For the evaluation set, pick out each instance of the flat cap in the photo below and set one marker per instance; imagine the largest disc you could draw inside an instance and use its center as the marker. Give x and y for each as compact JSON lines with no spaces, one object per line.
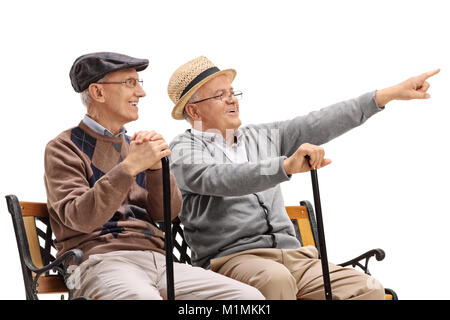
{"x":91,"y":67}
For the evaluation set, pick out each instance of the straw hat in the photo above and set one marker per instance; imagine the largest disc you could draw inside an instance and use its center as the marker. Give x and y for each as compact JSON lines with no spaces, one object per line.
{"x":188,"y":78}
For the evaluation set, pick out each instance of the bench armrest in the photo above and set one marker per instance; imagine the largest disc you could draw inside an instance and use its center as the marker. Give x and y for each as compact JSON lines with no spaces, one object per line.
{"x":356,"y":262}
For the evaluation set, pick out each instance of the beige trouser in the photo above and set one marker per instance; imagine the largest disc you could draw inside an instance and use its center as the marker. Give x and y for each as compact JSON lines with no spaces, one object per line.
{"x":142,"y":275}
{"x":295,"y":274}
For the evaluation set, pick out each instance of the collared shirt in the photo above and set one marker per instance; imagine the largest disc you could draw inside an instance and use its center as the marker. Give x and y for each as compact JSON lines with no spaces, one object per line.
{"x":236,"y":153}
{"x":97,"y":127}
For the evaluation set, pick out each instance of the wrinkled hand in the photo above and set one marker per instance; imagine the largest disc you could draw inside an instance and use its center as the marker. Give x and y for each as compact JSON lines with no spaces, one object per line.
{"x":413,"y":88}
{"x":147,"y":148}
{"x":144,"y":136}
{"x":298,"y":163}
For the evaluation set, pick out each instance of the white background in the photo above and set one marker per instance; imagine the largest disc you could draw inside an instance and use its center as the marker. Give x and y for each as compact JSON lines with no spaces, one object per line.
{"x":388,"y":184}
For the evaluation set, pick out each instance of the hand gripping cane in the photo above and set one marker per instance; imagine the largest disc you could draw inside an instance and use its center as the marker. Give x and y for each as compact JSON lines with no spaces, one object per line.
{"x":321,"y":232}
{"x":168,"y":229}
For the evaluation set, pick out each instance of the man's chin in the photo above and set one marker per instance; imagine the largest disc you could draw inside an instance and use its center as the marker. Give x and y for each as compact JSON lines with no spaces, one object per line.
{"x":237,"y":123}
{"x":134,"y":117}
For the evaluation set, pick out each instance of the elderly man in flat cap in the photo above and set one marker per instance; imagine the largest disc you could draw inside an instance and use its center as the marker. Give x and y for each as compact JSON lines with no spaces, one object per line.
{"x":104,"y":194}
{"x":229,"y":176}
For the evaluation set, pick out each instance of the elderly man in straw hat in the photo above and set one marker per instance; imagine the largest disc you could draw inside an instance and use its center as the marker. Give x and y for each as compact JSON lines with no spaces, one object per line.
{"x":104,"y":192}
{"x":233,"y":212}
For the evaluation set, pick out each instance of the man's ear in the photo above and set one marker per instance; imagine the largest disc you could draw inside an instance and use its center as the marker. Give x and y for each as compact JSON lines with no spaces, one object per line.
{"x":192,"y":111}
{"x":97,"y":93}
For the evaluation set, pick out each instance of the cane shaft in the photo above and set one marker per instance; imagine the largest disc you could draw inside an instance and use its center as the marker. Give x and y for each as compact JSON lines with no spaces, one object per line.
{"x":321,"y":234}
{"x":168,"y":229}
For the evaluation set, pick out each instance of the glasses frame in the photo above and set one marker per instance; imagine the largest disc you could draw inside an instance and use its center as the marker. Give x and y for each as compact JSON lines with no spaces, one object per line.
{"x":237,"y":94}
{"x":141,"y":82}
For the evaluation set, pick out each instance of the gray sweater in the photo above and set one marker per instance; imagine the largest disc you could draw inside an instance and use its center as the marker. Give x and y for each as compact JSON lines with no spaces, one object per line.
{"x":229,"y":207}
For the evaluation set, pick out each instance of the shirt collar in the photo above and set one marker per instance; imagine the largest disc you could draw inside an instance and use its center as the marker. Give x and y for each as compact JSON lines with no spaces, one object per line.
{"x":97,"y":127}
{"x":215,"y":136}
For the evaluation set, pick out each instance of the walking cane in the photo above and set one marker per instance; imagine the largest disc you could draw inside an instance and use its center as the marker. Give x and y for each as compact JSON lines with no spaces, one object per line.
{"x":321,"y":232}
{"x":168,"y":229}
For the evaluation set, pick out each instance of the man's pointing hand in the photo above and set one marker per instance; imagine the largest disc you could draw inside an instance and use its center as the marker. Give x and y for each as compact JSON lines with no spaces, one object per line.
{"x":413,"y":88}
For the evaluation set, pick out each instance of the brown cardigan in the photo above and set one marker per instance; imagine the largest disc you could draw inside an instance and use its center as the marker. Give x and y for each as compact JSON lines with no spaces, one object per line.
{"x":95,"y":205}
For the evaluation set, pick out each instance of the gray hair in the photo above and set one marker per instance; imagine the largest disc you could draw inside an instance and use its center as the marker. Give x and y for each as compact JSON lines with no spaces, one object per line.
{"x":85,"y":96}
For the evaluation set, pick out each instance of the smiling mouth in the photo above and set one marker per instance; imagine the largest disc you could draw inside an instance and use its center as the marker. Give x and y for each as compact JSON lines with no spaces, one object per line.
{"x":232,"y":111}
{"x":133,"y":103}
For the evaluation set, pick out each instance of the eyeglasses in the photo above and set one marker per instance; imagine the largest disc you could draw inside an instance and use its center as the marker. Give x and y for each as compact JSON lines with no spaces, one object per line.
{"x":223,"y":96}
{"x":130,"y":83}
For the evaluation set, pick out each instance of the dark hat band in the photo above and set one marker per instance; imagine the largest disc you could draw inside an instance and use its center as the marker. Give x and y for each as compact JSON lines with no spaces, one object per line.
{"x":199,"y":78}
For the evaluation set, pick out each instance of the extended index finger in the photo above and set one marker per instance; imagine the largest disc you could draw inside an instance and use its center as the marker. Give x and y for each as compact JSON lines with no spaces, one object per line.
{"x":428,"y":74}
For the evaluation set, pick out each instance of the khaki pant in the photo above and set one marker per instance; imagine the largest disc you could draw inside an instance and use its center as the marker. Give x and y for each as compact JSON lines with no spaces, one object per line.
{"x":141,"y":275}
{"x":295,"y":274}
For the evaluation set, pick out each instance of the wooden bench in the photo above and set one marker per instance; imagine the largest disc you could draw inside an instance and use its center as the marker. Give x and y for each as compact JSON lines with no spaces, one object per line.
{"x":35,"y":243}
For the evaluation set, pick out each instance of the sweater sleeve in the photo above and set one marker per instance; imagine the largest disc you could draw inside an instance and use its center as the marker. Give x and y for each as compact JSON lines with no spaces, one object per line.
{"x":198,"y":172}
{"x":79,"y":206}
{"x":319,"y":127}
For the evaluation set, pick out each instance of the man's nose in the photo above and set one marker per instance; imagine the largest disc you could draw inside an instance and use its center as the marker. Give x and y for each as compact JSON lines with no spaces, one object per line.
{"x":140,"y":91}
{"x":230,"y":98}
